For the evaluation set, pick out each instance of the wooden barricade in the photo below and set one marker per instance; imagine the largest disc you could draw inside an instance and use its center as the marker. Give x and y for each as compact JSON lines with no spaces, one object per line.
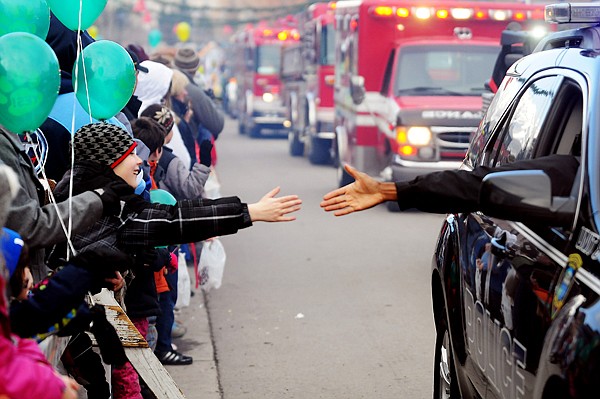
{"x":150,"y":369}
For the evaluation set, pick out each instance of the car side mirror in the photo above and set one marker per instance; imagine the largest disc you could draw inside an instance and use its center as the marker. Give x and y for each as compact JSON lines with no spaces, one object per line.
{"x":357,"y":89}
{"x":525,"y":196}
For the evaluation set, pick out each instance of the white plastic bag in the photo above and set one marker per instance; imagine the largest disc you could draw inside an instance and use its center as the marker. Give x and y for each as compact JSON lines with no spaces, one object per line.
{"x":212,"y":187}
{"x":212,"y":264}
{"x":184,"y":287}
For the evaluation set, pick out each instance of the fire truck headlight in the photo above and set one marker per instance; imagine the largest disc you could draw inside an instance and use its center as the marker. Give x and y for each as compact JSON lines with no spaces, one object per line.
{"x":499,"y":15}
{"x":418,"y":135}
{"x":423,"y":12}
{"x":538,"y":32}
{"x":268,"y":97}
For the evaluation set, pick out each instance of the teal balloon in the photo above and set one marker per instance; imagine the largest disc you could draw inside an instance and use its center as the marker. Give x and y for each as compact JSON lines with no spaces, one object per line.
{"x":154,"y":37}
{"x":29,"y":81}
{"x":67,"y":12}
{"x":159,"y":196}
{"x":31,"y":16}
{"x":110,"y":75}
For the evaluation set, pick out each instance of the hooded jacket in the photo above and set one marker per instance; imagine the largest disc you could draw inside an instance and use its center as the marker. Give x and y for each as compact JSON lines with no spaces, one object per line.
{"x":151,"y":88}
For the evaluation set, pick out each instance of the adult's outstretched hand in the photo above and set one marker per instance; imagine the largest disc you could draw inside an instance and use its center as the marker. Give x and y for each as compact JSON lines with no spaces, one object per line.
{"x":273,"y":209}
{"x":364,"y":193}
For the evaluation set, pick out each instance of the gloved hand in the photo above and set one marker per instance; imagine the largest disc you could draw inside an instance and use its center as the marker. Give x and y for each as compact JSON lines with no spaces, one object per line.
{"x":173,"y":264}
{"x":111,"y":195}
{"x":110,"y":346}
{"x":103,"y":262}
{"x":205,"y":152}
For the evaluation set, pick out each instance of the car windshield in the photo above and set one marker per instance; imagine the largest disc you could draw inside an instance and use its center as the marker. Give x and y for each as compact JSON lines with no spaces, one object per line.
{"x":268,"y":58}
{"x":444,"y":70}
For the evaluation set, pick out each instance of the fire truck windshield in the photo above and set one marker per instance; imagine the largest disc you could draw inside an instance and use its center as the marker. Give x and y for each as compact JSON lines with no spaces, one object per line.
{"x":451,"y":70}
{"x":268,"y":59}
{"x":327,"y":46}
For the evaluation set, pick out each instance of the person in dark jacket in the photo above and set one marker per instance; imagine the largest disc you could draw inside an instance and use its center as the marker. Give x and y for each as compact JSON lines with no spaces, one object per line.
{"x":206,"y":114}
{"x":450,"y":191}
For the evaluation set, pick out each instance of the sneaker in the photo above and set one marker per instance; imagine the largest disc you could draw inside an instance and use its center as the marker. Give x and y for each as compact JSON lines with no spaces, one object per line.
{"x":178,"y":330}
{"x":173,"y":358}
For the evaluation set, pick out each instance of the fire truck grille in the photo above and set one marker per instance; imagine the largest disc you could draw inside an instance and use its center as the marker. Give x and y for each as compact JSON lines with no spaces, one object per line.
{"x":453,"y":145}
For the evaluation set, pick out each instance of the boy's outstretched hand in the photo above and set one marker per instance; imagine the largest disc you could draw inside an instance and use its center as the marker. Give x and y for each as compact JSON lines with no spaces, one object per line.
{"x":273,"y":209}
{"x":364,"y":193}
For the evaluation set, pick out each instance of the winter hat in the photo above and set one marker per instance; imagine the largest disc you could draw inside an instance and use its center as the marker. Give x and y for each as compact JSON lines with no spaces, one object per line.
{"x":161,"y":114}
{"x":136,"y":61}
{"x":153,"y":86}
{"x":11,"y":245}
{"x":139,"y":51}
{"x":187,"y":58}
{"x":102,"y":143}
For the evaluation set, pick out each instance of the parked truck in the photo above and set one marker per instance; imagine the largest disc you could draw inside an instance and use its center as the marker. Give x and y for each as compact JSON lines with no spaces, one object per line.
{"x":256,"y":66}
{"x":307,"y":73}
{"x":409,"y":78}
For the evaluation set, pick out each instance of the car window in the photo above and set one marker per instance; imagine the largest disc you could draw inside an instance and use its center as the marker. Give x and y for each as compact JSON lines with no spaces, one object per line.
{"x":500,"y":103}
{"x":546,"y":119}
{"x":521,"y":132}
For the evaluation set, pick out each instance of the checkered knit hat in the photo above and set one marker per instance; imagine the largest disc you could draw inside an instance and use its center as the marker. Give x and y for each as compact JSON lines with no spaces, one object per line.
{"x":103,"y":143}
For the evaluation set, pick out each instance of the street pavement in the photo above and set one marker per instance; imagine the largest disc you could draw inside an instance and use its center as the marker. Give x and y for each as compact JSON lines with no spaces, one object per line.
{"x":200,"y":379}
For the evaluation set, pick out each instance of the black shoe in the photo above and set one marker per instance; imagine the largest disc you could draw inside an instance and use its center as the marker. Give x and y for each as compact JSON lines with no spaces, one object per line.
{"x":173,"y":358}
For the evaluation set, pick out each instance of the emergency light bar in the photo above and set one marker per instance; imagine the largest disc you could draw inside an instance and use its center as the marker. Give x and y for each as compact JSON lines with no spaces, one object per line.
{"x":457,"y":13}
{"x":573,"y":12}
{"x":282,"y":35}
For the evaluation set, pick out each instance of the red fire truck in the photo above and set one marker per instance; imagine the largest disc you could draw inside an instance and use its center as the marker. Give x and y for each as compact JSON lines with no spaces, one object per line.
{"x":257,"y":53}
{"x":409,"y":77}
{"x":307,"y":73}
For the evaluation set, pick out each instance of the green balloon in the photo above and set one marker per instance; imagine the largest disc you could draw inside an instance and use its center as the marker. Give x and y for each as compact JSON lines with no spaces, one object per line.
{"x":67,"y":12}
{"x":159,"y":196}
{"x":154,"y":37}
{"x":31,"y":16}
{"x":110,"y":75}
{"x":29,"y":81}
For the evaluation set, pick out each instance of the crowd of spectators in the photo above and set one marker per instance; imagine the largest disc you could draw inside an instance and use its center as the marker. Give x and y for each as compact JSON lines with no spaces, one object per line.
{"x":78,"y":218}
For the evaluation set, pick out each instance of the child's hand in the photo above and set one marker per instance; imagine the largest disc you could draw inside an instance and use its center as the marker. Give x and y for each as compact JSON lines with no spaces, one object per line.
{"x":71,"y":388}
{"x":272,"y":209}
{"x":115,"y":283}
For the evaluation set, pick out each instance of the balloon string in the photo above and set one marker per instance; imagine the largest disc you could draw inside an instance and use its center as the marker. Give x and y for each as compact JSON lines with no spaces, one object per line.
{"x":71,"y":139}
{"x":51,"y":195}
{"x":75,"y":88}
{"x":80,"y":45}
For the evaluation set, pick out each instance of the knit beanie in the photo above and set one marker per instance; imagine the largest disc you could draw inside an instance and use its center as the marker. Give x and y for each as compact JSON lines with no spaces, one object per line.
{"x":102,"y":143}
{"x":187,"y":58}
{"x":161,"y":114}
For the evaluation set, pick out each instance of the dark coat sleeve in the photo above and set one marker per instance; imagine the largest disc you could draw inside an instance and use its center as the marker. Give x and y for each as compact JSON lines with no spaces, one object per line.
{"x":205,"y":110}
{"x":456,"y":191}
{"x":187,"y":221}
{"x":50,"y":302}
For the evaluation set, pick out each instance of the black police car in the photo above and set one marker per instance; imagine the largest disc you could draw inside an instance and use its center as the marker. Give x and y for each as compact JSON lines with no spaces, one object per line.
{"x":516,"y":303}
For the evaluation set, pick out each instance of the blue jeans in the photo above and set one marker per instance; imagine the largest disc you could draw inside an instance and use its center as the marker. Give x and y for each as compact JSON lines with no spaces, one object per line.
{"x":164,"y":322}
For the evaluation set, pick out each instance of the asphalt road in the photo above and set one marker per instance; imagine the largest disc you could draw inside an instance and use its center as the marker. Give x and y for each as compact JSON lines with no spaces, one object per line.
{"x":322,"y":307}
